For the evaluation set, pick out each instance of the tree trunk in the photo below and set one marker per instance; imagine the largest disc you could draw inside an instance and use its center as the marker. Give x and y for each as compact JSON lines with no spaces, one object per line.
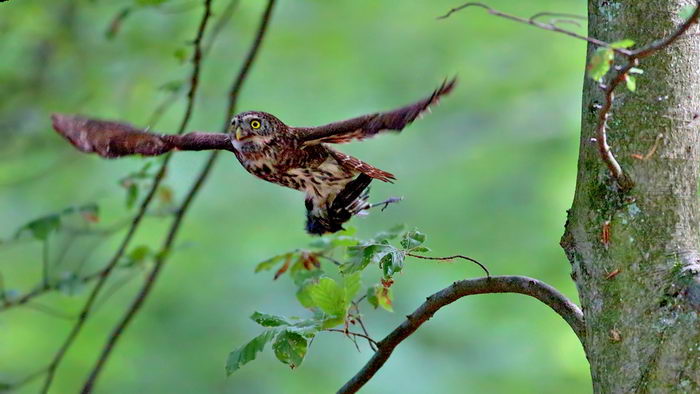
{"x":642,"y":326}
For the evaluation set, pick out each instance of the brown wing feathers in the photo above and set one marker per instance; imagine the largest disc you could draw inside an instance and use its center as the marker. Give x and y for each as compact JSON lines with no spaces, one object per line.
{"x":368,"y":125}
{"x":114,"y":139}
{"x":353,"y":163}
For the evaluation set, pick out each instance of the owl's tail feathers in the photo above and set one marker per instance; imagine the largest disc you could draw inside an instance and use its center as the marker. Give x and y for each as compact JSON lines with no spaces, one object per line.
{"x":349,"y":202}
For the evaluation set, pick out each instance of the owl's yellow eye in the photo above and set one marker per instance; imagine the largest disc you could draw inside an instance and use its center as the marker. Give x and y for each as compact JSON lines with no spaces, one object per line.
{"x":255,"y":124}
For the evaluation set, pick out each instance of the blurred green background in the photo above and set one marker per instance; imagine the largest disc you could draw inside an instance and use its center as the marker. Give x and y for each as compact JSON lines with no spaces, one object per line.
{"x":490,"y":173}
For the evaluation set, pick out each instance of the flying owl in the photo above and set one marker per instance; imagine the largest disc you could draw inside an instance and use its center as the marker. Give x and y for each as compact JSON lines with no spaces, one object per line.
{"x":335,"y":184}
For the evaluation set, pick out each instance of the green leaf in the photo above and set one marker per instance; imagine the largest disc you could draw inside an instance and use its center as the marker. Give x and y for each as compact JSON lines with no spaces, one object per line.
{"x":180,"y":54}
{"x":349,"y":231}
{"x":328,"y":296}
{"x":248,"y":352}
{"x":290,"y":348}
{"x":132,"y":195}
{"x":626,"y":43}
{"x":139,"y":253}
{"x":267,"y":320}
{"x":631,"y":82}
{"x":344,"y":241}
{"x":41,"y":228}
{"x":351,"y":284}
{"x":392,"y":263}
{"x":687,"y":11}
{"x":600,"y":63}
{"x":304,"y":295}
{"x":172,"y":86}
{"x":420,"y":249}
{"x":362,"y":255}
{"x":372,"y":296}
{"x":412,"y":239}
{"x":270,"y":263}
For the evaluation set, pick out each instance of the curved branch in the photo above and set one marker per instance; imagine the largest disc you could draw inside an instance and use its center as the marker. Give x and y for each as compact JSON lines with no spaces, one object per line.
{"x":496,"y":284}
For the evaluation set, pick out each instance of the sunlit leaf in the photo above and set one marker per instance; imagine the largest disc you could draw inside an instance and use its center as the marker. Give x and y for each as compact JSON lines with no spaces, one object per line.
{"x":631,"y":82}
{"x":248,"y":352}
{"x":290,"y":348}
{"x":328,"y":296}
{"x":622,"y":44}
{"x":600,"y":64}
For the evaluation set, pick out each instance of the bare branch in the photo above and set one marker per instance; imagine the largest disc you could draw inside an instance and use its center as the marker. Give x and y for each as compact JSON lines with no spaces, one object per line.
{"x":87,"y":308}
{"x":497,"y":284}
{"x":449,"y":258}
{"x":544,"y":26}
{"x":150,"y":281}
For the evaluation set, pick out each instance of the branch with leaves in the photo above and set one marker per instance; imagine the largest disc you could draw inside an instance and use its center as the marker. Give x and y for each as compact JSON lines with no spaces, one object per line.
{"x":602,"y":62}
{"x":333,"y":292}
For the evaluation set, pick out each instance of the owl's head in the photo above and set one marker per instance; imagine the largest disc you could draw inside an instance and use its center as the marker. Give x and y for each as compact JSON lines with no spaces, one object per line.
{"x":251,"y":124}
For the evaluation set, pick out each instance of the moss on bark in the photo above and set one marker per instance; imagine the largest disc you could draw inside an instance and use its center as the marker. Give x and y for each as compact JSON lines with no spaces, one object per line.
{"x":642,"y":327}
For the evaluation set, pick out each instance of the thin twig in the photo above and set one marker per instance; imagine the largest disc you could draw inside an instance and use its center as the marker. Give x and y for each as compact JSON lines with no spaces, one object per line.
{"x":358,"y":318}
{"x":497,"y":284}
{"x":533,"y":22}
{"x":87,"y":308}
{"x":448,"y":258}
{"x":354,"y":334}
{"x":145,"y":290}
{"x":632,"y":56}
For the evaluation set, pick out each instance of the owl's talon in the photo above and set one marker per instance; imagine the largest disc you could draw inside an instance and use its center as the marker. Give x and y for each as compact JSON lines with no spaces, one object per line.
{"x":385,"y":203}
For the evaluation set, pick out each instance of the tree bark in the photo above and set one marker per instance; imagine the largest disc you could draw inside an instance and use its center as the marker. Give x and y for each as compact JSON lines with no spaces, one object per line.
{"x":642,"y":326}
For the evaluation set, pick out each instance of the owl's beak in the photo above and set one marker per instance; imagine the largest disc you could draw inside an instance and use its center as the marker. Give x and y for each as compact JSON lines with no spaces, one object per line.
{"x":235,"y":126}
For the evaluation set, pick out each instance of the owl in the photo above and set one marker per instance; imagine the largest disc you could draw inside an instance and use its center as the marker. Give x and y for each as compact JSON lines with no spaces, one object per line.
{"x":335,"y":184}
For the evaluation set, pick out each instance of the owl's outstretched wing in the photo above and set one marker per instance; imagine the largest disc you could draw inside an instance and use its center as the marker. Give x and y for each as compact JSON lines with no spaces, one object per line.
{"x":114,"y":139}
{"x":368,"y":125}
